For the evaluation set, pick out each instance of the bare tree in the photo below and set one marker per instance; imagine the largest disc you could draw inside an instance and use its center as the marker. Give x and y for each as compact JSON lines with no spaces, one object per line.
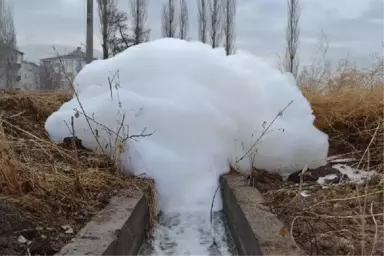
{"x":105,"y":8}
{"x":139,"y":20}
{"x":49,"y":78}
{"x":318,"y":73}
{"x":229,"y":12}
{"x":202,"y":20}
{"x":8,"y":47}
{"x":120,"y":39}
{"x":168,"y":22}
{"x":113,"y":25}
{"x":7,"y":27}
{"x":183,"y":20}
{"x":292,"y":36}
{"x":216,"y":22}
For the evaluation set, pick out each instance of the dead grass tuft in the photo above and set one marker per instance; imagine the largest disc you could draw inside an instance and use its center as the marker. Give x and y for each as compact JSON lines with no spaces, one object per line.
{"x":50,"y":185}
{"x":350,"y":118}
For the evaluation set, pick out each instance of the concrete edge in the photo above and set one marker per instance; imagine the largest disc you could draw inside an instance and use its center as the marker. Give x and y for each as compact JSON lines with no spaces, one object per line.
{"x":241,"y":231}
{"x":119,"y":229}
{"x":255,"y":230}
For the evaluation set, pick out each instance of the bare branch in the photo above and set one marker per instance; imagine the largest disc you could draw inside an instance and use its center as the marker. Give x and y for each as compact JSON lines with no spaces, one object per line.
{"x":229,"y":13}
{"x":216,"y":22}
{"x":105,"y":10}
{"x":120,"y":40}
{"x":319,"y":72}
{"x":113,"y":24}
{"x":183,"y":20}
{"x":264,"y":132}
{"x":168,"y":21}
{"x":139,"y":20}
{"x":202,"y":20}
{"x":94,"y":133}
{"x":8,"y":54}
{"x":292,"y":37}
{"x":7,"y":27}
{"x":119,"y":139}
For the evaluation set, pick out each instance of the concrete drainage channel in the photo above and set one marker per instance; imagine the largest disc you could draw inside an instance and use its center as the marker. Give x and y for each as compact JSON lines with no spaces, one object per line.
{"x":190,"y":233}
{"x":121,"y":227}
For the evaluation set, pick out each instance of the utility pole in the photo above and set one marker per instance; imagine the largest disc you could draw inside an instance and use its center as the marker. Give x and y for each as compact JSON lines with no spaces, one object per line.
{"x":89,"y":50}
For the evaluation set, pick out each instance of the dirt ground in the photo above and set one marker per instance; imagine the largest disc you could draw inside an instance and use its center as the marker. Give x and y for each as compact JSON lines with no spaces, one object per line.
{"x":48,"y":191}
{"x":339,"y":219}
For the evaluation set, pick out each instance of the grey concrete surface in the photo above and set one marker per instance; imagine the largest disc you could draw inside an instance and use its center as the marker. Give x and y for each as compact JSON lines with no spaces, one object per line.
{"x":119,"y":229}
{"x":254,"y":228}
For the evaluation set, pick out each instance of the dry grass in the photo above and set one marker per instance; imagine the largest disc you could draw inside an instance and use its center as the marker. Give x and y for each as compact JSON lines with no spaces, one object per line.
{"x":350,"y":118}
{"x":341,"y":219}
{"x":50,"y":185}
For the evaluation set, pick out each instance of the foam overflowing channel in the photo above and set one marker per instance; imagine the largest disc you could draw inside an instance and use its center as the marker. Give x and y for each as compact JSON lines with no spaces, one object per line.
{"x":190,"y":234}
{"x":192,"y":112}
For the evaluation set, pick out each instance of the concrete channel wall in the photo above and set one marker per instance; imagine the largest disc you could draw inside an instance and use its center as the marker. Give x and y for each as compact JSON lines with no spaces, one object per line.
{"x":254,"y":228}
{"x":119,"y":229}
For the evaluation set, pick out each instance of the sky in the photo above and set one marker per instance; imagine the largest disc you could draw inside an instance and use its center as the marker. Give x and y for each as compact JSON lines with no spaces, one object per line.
{"x":354,"y":28}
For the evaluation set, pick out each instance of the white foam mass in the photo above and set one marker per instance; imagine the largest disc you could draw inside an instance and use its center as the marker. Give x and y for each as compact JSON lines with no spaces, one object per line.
{"x":206,"y":110}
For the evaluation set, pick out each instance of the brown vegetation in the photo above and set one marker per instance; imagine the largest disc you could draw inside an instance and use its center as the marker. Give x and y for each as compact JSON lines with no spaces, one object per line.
{"x":350,"y":117}
{"x":45,"y":186}
{"x":343,"y":218}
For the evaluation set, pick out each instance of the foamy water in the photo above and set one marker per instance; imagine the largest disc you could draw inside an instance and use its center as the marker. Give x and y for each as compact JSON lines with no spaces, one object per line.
{"x":190,"y":234}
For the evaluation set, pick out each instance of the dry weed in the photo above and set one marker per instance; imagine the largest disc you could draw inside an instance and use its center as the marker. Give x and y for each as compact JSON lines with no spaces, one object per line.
{"x":52,"y":185}
{"x":350,"y":118}
{"x":341,"y":219}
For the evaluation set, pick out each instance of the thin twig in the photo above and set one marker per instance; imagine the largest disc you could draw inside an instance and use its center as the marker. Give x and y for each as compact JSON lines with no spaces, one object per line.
{"x":213,"y":199}
{"x":369,"y":145}
{"x":87,"y":118}
{"x":78,"y":100}
{"x":339,"y":199}
{"x":376,"y":230}
{"x":143,"y":134}
{"x":211,"y":211}
{"x":264,"y":132}
{"x":362,"y":208}
{"x":291,"y":232}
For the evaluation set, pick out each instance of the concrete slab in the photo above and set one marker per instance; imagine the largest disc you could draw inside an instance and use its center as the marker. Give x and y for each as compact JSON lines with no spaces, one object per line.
{"x":119,"y":229}
{"x":254,"y":228}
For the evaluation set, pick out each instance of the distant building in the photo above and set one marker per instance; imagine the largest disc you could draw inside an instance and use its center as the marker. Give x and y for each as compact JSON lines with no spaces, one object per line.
{"x":29,"y":76}
{"x":59,"y":71}
{"x":10,"y":65}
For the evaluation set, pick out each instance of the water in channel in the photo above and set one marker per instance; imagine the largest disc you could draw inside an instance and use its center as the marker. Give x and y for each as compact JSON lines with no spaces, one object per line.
{"x":190,"y":234}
